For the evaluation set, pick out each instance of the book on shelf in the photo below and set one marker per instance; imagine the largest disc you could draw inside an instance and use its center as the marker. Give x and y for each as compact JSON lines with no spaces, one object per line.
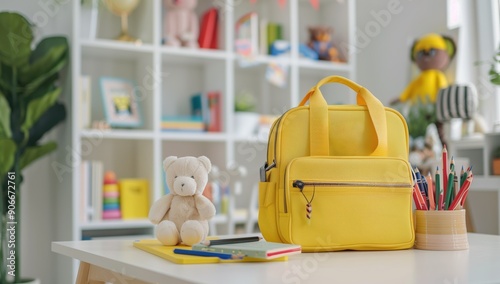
{"x":209,"y":29}
{"x":247,"y":35}
{"x":199,"y":107}
{"x":274,"y":33}
{"x":208,"y":107}
{"x":215,"y":107}
{"x":260,"y":249}
{"x":134,"y":198}
{"x":182,"y":123}
{"x":85,"y":93}
{"x":91,"y":184}
{"x":263,"y":44}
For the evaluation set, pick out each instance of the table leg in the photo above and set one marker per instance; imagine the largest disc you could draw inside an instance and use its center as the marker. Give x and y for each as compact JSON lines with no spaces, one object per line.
{"x":92,"y":274}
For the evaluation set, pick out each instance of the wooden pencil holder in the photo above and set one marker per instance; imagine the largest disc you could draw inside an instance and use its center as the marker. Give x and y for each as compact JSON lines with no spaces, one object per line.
{"x":441,"y":230}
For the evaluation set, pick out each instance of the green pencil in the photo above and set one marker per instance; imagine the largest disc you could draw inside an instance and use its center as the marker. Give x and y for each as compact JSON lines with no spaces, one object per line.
{"x":438,"y":188}
{"x":448,"y":191}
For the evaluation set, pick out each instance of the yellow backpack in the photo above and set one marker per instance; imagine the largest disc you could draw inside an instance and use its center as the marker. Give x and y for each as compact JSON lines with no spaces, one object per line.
{"x":337,"y":177}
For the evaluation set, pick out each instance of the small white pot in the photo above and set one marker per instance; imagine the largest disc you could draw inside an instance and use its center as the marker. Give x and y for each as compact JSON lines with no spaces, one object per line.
{"x":245,"y":123}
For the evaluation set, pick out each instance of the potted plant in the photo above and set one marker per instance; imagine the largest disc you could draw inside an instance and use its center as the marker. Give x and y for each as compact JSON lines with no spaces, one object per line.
{"x":29,"y":90}
{"x":493,"y":73}
{"x":496,"y":161}
{"x":246,"y":119}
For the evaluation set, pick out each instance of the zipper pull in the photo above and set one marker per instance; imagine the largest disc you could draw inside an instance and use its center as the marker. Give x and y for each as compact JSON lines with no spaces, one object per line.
{"x":300,"y":184}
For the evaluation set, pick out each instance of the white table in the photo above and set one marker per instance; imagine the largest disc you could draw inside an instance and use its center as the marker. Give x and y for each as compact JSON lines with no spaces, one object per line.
{"x":479,"y":264}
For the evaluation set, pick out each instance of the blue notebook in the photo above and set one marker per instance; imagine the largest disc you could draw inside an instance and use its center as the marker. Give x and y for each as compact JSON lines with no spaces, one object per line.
{"x":262,"y":249}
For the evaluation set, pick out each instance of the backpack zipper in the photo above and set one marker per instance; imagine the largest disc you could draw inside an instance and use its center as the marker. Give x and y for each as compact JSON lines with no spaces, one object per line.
{"x":301,"y":184}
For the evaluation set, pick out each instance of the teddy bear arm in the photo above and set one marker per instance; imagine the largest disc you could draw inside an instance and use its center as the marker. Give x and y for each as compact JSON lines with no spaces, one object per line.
{"x":205,"y":207}
{"x":160,"y":208}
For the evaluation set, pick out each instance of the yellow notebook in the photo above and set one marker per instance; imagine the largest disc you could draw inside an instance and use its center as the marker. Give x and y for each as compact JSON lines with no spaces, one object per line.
{"x":167,"y":252}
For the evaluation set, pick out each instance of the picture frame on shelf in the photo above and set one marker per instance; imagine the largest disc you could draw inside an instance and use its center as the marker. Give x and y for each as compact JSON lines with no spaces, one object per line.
{"x":121,"y":108}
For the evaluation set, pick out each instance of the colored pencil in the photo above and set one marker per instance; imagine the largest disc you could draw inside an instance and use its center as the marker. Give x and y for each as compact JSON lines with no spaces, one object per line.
{"x":462,"y":193}
{"x":449,"y":190}
{"x":438,"y":190}
{"x":431,"y":192}
{"x":445,"y":170}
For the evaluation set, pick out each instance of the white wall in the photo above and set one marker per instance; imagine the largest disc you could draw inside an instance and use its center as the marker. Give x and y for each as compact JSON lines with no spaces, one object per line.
{"x":41,"y":189}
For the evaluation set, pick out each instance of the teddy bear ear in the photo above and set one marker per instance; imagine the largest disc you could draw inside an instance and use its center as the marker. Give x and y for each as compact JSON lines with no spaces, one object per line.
{"x":168,"y":161}
{"x":206,"y":163}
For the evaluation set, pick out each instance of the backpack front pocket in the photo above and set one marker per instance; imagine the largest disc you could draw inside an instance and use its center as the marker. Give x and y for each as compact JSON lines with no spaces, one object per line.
{"x":349,"y":202}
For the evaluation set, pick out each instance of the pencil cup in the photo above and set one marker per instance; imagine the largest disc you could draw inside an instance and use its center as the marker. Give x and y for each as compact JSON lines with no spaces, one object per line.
{"x":441,"y":230}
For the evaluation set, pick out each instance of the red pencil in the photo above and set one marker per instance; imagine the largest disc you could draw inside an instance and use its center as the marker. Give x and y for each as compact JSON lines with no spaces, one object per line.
{"x":420,"y":203}
{"x":462,"y":193}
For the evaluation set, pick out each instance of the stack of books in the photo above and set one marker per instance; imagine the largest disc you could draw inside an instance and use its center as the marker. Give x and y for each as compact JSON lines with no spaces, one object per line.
{"x":182,"y":123}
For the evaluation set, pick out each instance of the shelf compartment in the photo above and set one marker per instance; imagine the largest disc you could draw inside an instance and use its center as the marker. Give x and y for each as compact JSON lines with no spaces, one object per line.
{"x":184,"y":79}
{"x":334,"y":14}
{"x":107,"y":25}
{"x":270,"y":99}
{"x":200,"y":9}
{"x":127,"y":157}
{"x":133,"y":65}
{"x":267,"y":12}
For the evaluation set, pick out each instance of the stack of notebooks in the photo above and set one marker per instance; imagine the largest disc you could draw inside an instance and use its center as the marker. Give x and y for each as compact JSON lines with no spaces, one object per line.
{"x":247,"y":249}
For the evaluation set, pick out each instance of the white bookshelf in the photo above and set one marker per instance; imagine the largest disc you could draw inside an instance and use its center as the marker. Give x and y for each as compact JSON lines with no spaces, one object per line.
{"x":169,"y":76}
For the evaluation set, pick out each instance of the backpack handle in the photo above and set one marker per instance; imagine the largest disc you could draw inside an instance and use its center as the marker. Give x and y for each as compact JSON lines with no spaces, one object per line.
{"x":318,"y":116}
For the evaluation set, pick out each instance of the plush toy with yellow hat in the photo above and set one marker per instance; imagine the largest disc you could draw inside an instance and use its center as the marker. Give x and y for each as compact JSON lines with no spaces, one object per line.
{"x":432,"y":53}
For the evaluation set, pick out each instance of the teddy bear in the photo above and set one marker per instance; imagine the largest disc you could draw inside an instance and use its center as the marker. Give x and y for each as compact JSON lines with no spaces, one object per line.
{"x":182,"y":215}
{"x":320,"y":41}
{"x":180,"y":23}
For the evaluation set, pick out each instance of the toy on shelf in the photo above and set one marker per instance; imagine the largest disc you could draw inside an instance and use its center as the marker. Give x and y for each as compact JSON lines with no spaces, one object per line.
{"x":180,"y":24}
{"x":432,"y":53}
{"x":182,"y":215}
{"x":111,"y":197}
{"x":320,"y":42}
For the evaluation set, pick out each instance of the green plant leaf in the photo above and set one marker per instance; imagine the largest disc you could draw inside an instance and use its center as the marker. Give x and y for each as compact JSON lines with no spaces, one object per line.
{"x":37,"y":107}
{"x":33,"y":153}
{"x":4,"y":117}
{"x":50,"y":57}
{"x":6,"y":155}
{"x":15,"y":39}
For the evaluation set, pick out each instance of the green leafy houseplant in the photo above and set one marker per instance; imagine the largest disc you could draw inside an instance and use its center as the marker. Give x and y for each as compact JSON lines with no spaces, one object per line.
{"x":494,"y":73}
{"x":420,"y":115}
{"x":29,"y":108}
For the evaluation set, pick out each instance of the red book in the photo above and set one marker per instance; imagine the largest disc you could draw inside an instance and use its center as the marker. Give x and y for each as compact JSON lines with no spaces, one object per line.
{"x":214,"y":105}
{"x":208,"y":37}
